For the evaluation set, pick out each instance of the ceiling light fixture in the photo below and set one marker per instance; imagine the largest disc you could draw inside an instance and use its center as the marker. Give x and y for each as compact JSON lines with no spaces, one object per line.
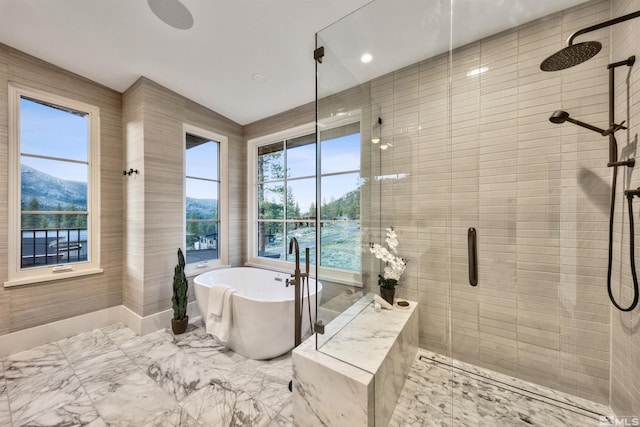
{"x":366,"y":58}
{"x":172,"y":13}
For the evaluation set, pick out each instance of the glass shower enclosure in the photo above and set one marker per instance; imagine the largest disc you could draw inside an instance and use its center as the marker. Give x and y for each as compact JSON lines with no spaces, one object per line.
{"x":455,"y":140}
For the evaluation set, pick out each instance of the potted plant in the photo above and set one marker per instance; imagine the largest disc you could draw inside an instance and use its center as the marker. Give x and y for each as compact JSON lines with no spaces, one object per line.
{"x":180,"y":286}
{"x":394,"y":265}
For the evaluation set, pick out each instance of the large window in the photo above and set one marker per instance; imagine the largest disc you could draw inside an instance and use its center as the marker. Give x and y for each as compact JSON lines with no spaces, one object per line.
{"x":205,"y":237}
{"x":54,"y":187}
{"x":340,"y":198}
{"x":284,"y":198}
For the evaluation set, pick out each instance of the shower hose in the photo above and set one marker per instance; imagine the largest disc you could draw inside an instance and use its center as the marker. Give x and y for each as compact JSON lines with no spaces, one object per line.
{"x":631,"y":245}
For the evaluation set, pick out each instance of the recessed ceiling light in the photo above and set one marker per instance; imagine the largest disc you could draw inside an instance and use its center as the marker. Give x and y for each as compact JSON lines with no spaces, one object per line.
{"x":172,"y":13}
{"x":366,"y":58}
{"x":375,"y":140}
{"x":258,"y":77}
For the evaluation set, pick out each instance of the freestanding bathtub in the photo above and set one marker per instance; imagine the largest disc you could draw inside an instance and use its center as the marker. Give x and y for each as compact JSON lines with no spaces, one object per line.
{"x":263,"y":309}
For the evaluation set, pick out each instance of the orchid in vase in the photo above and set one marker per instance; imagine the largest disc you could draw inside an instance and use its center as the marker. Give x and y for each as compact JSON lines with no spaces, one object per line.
{"x":394,"y":264}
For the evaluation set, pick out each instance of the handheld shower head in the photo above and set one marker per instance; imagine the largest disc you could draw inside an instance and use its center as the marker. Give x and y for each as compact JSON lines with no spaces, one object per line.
{"x":560,"y":116}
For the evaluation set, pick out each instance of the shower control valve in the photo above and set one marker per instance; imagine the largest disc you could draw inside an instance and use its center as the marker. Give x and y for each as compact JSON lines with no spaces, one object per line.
{"x":631,"y":193}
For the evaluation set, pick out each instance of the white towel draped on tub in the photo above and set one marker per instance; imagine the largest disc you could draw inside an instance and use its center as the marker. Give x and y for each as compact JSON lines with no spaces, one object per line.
{"x":220,"y":312}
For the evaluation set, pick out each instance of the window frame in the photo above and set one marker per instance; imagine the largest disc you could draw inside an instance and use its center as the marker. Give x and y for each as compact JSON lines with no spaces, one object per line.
{"x":24,"y":276}
{"x":335,"y":275}
{"x":194,"y":269}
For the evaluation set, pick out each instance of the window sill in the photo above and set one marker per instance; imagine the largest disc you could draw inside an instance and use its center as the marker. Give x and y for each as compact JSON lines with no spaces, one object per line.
{"x":30,"y":280}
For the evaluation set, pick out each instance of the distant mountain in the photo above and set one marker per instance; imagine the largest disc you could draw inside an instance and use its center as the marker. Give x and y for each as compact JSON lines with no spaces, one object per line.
{"x":347,"y":206}
{"x":50,"y":192}
{"x":203,"y":208}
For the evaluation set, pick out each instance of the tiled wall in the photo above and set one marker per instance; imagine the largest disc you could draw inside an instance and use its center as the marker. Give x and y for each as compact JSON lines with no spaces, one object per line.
{"x":480,"y":152}
{"x":625,"y":327}
{"x":153,"y":119}
{"x":23,"y":307}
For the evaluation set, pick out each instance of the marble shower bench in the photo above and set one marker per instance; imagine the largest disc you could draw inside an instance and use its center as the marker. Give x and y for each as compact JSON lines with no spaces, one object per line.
{"x":356,"y":377}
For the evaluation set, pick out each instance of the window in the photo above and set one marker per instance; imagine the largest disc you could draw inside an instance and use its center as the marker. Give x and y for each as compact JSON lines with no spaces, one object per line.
{"x":54,"y":175}
{"x":205,"y":200}
{"x":286,"y":197}
{"x":340,"y":183}
{"x":283,"y":205}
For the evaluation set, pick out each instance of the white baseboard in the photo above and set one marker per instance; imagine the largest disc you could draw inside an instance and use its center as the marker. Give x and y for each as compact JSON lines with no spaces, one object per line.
{"x":146,"y":325}
{"x":51,"y":332}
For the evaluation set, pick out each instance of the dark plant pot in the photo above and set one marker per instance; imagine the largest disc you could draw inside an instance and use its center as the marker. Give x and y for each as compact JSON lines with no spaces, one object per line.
{"x":387,"y":294}
{"x":179,"y":326}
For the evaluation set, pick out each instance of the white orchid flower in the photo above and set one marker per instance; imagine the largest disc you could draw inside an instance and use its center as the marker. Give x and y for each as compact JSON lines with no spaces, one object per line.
{"x":395,"y":265}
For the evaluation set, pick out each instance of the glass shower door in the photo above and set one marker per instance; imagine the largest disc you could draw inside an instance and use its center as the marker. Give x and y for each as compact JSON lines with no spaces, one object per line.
{"x":348,"y":192}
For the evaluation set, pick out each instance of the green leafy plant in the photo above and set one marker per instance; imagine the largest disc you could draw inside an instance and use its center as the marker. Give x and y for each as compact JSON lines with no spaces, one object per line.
{"x":180,"y":287}
{"x":387,"y":283}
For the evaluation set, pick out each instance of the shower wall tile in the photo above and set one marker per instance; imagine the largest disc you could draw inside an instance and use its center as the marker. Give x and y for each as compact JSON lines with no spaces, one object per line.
{"x":625,"y":342}
{"x":485,"y":156}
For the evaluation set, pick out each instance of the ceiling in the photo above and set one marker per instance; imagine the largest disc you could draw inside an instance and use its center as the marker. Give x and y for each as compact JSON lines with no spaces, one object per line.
{"x":245,"y":59}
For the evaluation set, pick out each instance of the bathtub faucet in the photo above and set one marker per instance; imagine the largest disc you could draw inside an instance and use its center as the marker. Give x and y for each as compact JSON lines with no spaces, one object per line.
{"x":296,"y":282}
{"x":293,"y":242}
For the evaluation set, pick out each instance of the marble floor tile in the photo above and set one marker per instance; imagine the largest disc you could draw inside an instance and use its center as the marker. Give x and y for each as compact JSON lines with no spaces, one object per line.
{"x":5,"y":415}
{"x":32,"y":363}
{"x":108,"y":368}
{"x":436,"y":395}
{"x":119,"y":333}
{"x":220,"y":404}
{"x":134,"y":400}
{"x":112,"y":377}
{"x":180,"y":375}
{"x":43,"y":390}
{"x":179,"y":418}
{"x":150,"y":348}
{"x":86,"y":345}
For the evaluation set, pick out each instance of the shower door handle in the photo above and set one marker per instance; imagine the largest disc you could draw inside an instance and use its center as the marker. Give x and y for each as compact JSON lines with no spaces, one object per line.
{"x":472,"y":244}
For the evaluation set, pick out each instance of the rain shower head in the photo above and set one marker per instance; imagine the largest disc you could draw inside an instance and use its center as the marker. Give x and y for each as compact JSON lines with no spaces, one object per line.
{"x":575,"y":54}
{"x":560,"y":116}
{"x":570,"y":56}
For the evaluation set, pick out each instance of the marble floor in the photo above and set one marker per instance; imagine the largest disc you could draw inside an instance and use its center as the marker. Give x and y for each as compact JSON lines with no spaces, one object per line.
{"x":111,"y":377}
{"x":439,"y":394}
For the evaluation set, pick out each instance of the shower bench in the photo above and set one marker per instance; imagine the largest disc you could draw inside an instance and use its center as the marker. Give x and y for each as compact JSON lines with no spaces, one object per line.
{"x":356,"y":376}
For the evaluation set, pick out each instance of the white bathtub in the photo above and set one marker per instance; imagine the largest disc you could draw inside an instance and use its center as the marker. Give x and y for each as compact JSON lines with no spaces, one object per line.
{"x":263,"y":325}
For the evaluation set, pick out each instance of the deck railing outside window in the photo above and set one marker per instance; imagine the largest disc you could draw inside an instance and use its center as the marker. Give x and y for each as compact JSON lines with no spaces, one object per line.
{"x":53,"y":246}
